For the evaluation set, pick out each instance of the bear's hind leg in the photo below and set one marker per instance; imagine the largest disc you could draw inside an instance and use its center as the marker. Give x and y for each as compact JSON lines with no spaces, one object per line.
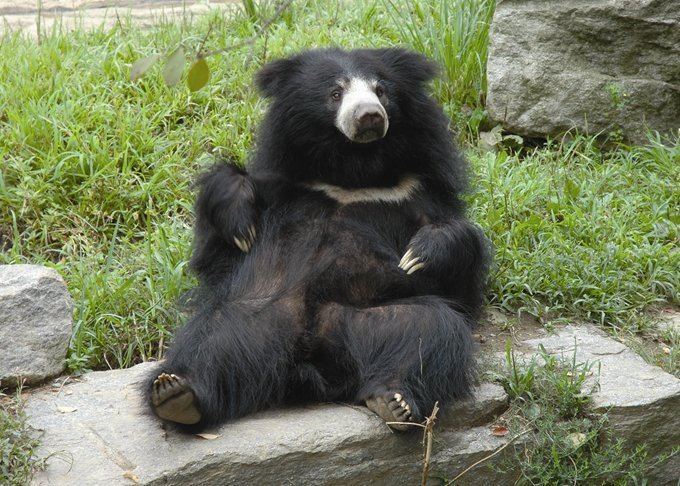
{"x":229,"y":360}
{"x":403,"y":355}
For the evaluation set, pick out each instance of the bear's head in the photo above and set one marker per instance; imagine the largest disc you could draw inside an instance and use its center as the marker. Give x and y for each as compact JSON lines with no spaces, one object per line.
{"x":349,"y":116}
{"x":356,"y":91}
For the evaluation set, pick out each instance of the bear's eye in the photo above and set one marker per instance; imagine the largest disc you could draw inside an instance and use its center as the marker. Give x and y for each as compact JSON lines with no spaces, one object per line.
{"x":336,"y":94}
{"x":379,"y":91}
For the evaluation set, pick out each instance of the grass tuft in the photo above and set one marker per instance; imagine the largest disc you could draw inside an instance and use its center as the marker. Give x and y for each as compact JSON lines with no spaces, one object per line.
{"x":563,"y":441}
{"x":455,"y":34}
{"x":17,"y":462}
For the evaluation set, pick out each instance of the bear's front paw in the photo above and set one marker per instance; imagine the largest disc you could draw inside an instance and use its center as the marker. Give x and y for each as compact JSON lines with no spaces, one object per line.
{"x":430,"y":249}
{"x":411,"y":262}
{"x":246,"y":240}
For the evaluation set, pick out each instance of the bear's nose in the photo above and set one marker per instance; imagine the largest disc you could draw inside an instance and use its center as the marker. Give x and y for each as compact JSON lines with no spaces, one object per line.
{"x":370,"y":118}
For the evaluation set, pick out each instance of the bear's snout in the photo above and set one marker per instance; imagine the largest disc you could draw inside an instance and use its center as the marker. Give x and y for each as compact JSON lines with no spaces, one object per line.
{"x":369,"y":123}
{"x":361,"y":116}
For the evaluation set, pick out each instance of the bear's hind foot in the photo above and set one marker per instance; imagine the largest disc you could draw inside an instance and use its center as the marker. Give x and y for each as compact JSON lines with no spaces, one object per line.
{"x":173,"y":399}
{"x":391,"y":407}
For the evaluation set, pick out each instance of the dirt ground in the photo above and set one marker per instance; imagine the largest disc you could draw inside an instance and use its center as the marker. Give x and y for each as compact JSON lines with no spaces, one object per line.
{"x":28,"y":16}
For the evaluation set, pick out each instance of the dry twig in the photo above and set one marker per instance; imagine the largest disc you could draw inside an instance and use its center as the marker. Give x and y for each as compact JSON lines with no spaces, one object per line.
{"x":428,"y":435}
{"x":484,"y":459}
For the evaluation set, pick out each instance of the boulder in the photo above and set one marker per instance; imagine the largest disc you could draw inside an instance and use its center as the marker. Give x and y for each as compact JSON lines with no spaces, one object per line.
{"x":36,"y":313}
{"x":642,"y":402}
{"x":97,"y":430}
{"x":605,"y":66}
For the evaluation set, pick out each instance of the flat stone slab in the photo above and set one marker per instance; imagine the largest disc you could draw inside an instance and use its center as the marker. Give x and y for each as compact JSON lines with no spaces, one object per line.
{"x":36,"y":314}
{"x":97,"y":431}
{"x":641,"y":401}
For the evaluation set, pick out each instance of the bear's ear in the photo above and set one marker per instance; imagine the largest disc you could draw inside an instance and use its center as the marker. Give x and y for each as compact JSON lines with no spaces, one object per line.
{"x":271,"y":78}
{"x":408,"y":65}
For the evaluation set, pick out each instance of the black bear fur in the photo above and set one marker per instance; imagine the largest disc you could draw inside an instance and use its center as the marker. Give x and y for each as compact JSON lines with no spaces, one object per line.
{"x":318,"y":309}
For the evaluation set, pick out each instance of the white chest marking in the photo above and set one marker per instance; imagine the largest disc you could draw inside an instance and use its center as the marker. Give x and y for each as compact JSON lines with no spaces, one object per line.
{"x":395,"y":194}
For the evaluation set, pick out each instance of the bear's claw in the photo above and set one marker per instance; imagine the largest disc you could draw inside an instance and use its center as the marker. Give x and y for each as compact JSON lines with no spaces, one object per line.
{"x":391,"y":408}
{"x":246,"y":243}
{"x":173,"y":399}
{"x":411,"y":263}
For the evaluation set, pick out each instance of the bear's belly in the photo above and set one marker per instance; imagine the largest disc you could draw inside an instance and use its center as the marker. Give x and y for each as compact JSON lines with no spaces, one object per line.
{"x":360,"y":253}
{"x":347,"y":254}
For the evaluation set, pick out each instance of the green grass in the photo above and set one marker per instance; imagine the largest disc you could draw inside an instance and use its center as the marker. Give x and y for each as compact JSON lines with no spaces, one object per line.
{"x":17,"y":461}
{"x":580,"y":232}
{"x":96,"y":173}
{"x":455,"y":34}
{"x":669,"y":356}
{"x":660,"y":348}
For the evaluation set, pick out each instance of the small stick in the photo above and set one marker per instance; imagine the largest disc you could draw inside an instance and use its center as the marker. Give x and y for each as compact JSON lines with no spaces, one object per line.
{"x":483,"y":459}
{"x":161,"y":342}
{"x":427,"y":442}
{"x":205,"y":38}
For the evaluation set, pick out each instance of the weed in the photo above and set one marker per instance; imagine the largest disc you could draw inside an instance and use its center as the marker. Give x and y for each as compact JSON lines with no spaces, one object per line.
{"x":617,"y":96}
{"x":660,"y":348}
{"x":669,"y":356}
{"x":564,"y":442}
{"x":17,"y":447}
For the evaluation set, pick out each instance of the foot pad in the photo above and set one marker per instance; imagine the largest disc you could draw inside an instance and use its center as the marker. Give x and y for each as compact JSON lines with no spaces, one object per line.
{"x":391,"y":407}
{"x":174,"y":400}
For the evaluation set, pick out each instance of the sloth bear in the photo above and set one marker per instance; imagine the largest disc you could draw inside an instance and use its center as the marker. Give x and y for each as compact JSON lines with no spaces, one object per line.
{"x":340,"y":265}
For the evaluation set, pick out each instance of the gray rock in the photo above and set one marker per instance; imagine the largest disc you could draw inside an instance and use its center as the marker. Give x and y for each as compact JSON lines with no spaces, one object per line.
{"x":489,"y":401}
{"x":97,"y":430}
{"x":598,"y":66}
{"x":36,"y":313}
{"x":641,"y":401}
